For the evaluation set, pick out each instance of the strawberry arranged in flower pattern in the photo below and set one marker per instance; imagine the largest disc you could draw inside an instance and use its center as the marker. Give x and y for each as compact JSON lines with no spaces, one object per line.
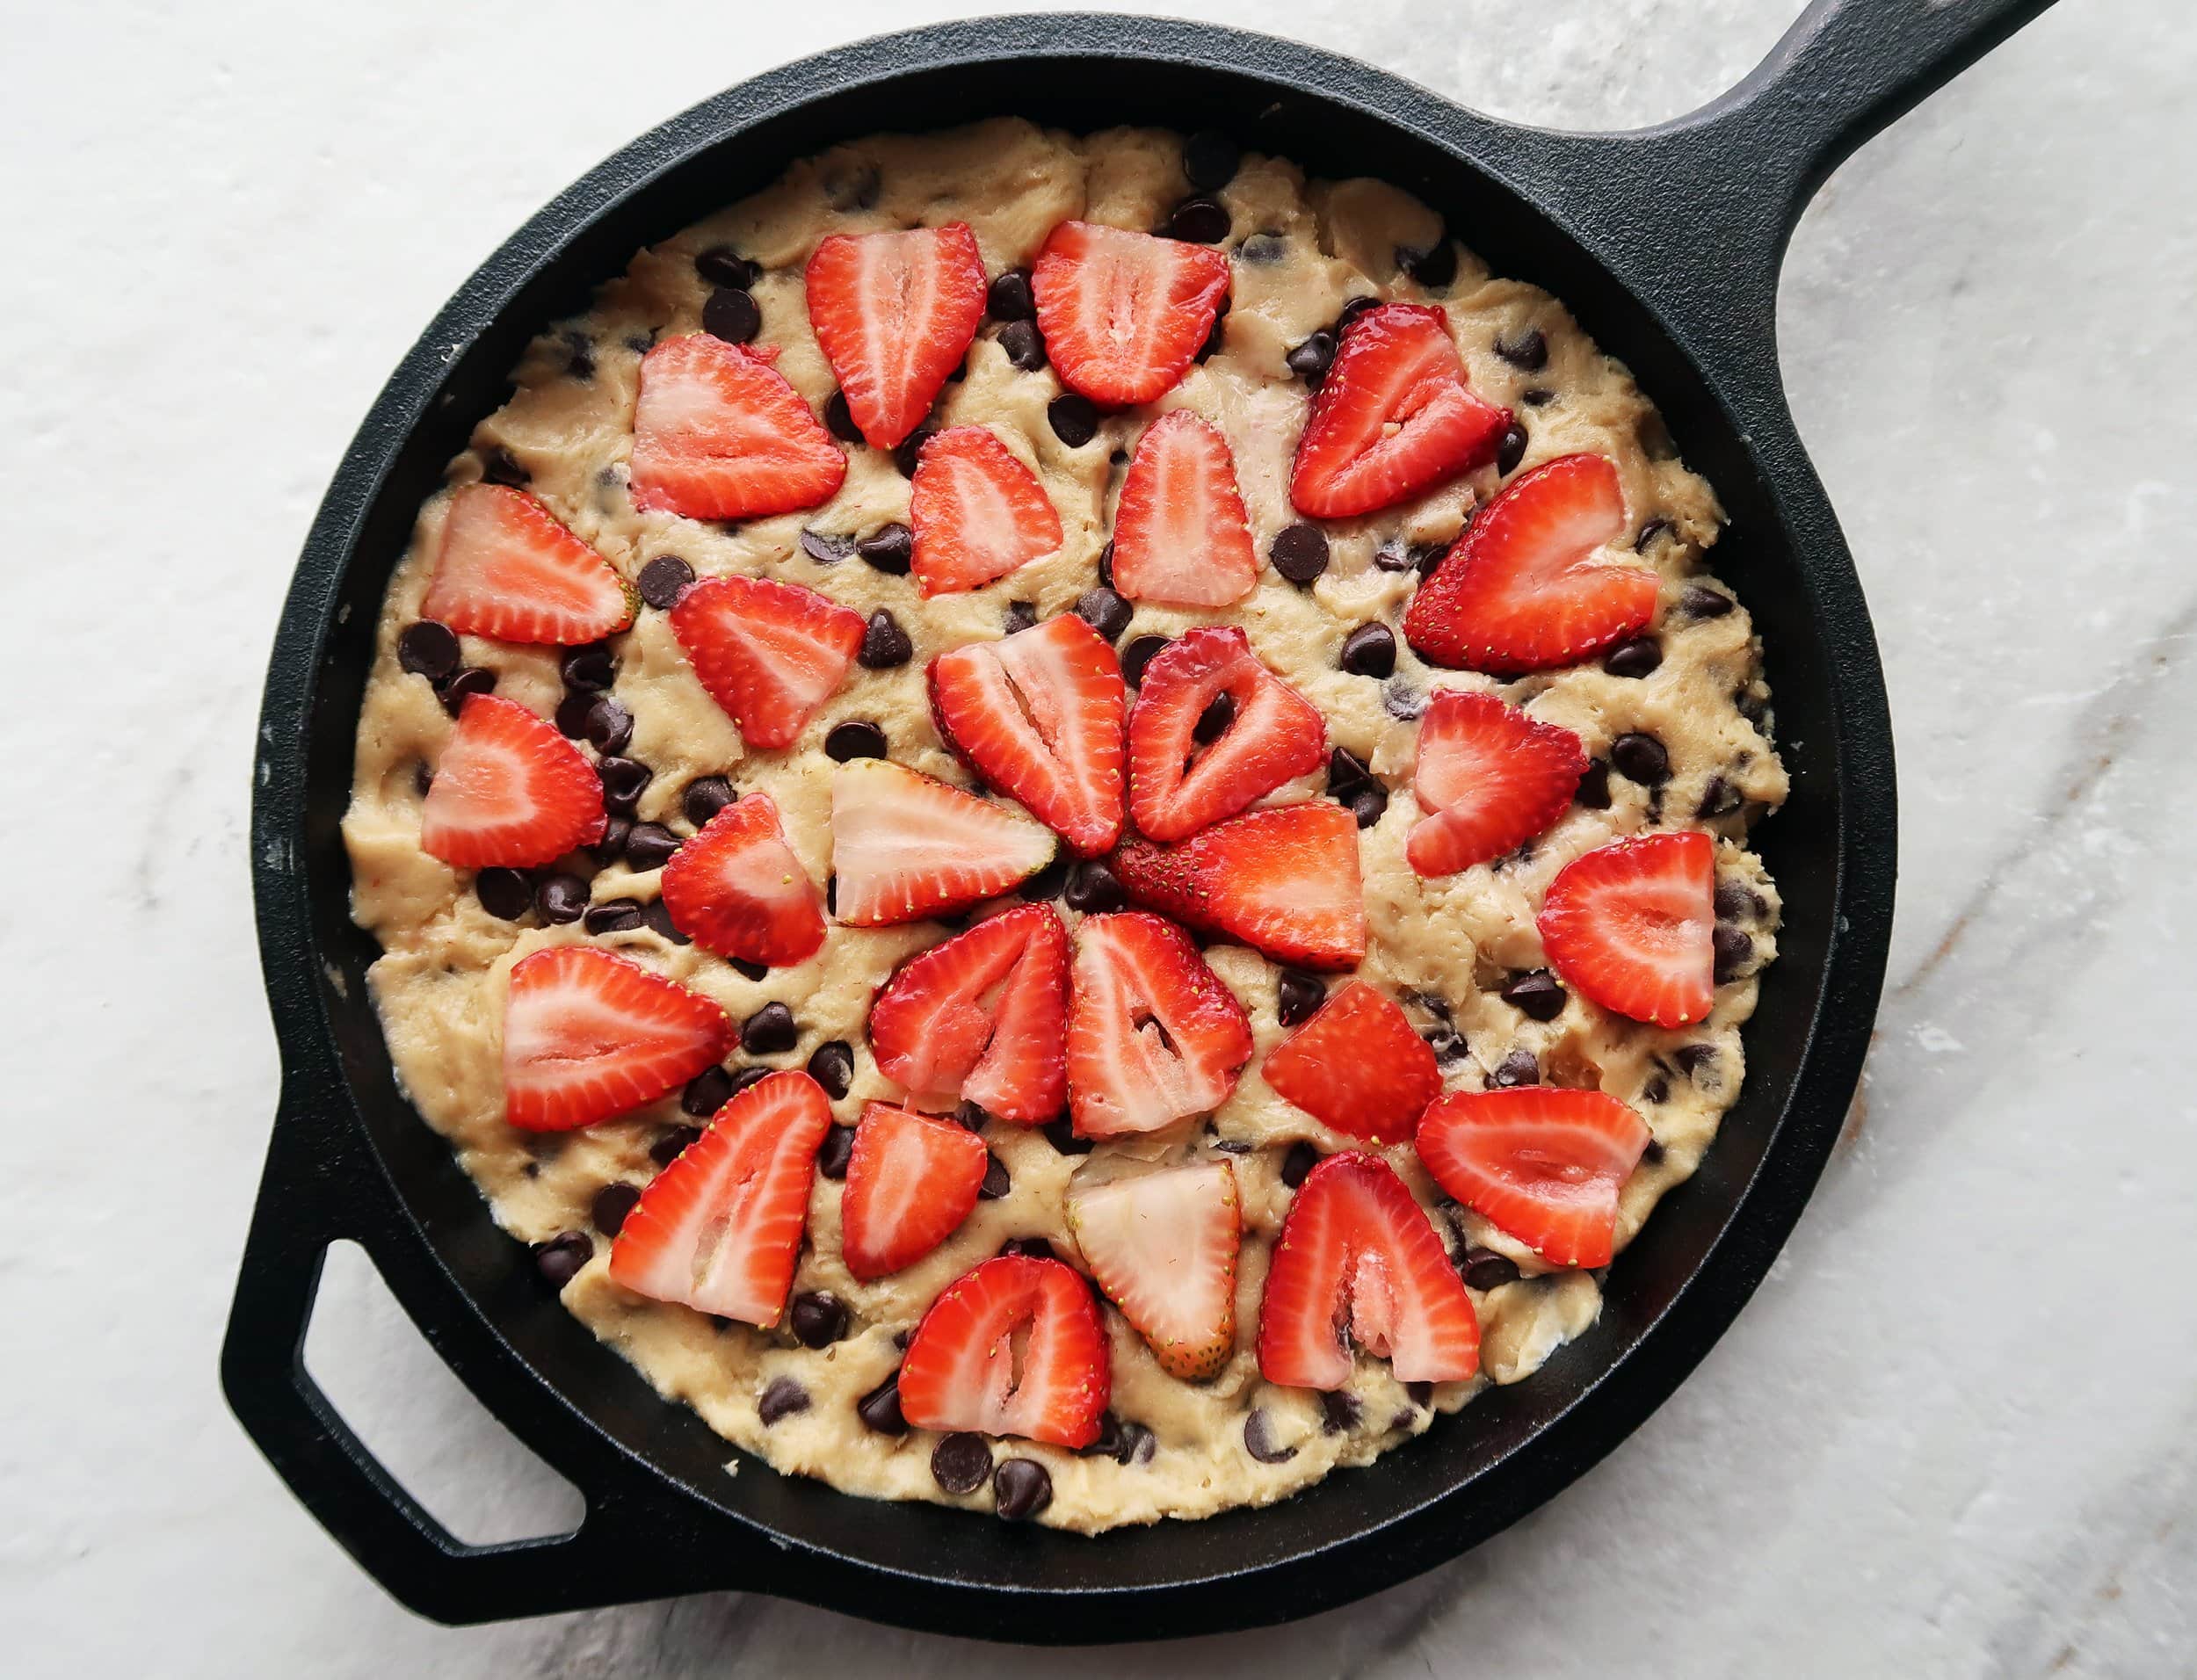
{"x":1039,"y":714}
{"x":738,"y":889}
{"x":509,"y":790}
{"x":1630,"y":926}
{"x":719,"y":1229}
{"x":1544,"y":1164}
{"x":1529,"y":586}
{"x":1163,"y":1246}
{"x":1358,"y":1255}
{"x":1180,"y":780}
{"x":1013,"y":1347}
{"x":508,"y":568}
{"x":588,"y":1035}
{"x":1284,"y":880}
{"x":1180,"y":533}
{"x":768,"y":653}
{"x":977,"y":512}
{"x":1153,"y":1034}
{"x":1124,"y":313}
{"x":983,"y":1018}
{"x":911,"y":1180}
{"x":896,"y":312}
{"x":1357,"y":1066}
{"x":719,"y":434}
{"x":1392,"y":418}
{"x":1490,"y":777}
{"x":905,"y":846}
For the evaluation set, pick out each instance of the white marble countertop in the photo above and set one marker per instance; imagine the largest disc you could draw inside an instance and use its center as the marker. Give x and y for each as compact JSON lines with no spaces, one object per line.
{"x":1953,"y":1433}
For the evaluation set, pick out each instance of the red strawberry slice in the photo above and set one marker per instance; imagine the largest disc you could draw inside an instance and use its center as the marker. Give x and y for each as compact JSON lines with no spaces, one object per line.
{"x":911,"y":1180}
{"x":1014,"y":1347}
{"x":508,"y":568}
{"x":1491,"y":776}
{"x":1163,"y":1246}
{"x":977,"y":513}
{"x":1180,"y":534}
{"x":719,"y":1229}
{"x":768,"y":653}
{"x":1392,"y":418}
{"x":1153,"y":1034}
{"x":1543,"y":1164}
{"x":1527,"y":586}
{"x":718,"y":433}
{"x":588,"y":1035}
{"x":1124,"y":313}
{"x":1178,"y":785}
{"x":508,"y":789}
{"x":1284,"y":880}
{"x":982,"y":1017}
{"x":895,"y":313}
{"x":1629,"y":925}
{"x":1357,"y":1066}
{"x":905,"y":846}
{"x":1040,"y":715}
{"x":738,"y":889}
{"x":1358,"y":1256}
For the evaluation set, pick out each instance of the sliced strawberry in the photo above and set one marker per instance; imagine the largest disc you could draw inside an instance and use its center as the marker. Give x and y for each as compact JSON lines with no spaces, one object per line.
{"x":1178,"y":785}
{"x":982,"y":1017}
{"x":1357,"y":1066}
{"x":738,"y":889}
{"x":1541,"y":1163}
{"x":719,"y":1229}
{"x":905,"y":846}
{"x":1163,"y":1246}
{"x":1358,"y":1256}
{"x":1491,"y":777}
{"x":718,"y":433}
{"x":911,"y":1180}
{"x":1124,"y":313}
{"x":1283,"y":879}
{"x":1629,"y":925}
{"x":768,"y":653}
{"x":508,"y":789}
{"x":1040,"y":715}
{"x":977,"y":512}
{"x":588,"y":1035}
{"x":508,"y":568}
{"x":895,"y":313}
{"x":1392,"y":418}
{"x":1153,"y":1034}
{"x":1527,"y":587}
{"x":1180,"y":534}
{"x":1014,"y":1347}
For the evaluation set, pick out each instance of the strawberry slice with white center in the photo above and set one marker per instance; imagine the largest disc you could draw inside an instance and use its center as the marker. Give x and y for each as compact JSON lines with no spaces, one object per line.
{"x":1284,"y":880}
{"x":1154,"y":1036}
{"x":1040,"y":714}
{"x":508,"y":568}
{"x":911,"y":1180}
{"x":895,"y":313}
{"x":1393,"y":417}
{"x":1124,"y":313}
{"x":1180,"y":783}
{"x":1530,"y":586}
{"x":1180,"y":534}
{"x":738,"y":889}
{"x":768,"y":653}
{"x":977,"y":512}
{"x":719,"y":1229}
{"x":905,"y":846}
{"x":1357,"y":1066}
{"x":1544,"y":1164}
{"x":1630,"y":926}
{"x":509,"y":790}
{"x":983,"y":1018}
{"x":588,"y":1035}
{"x":1013,"y":1347}
{"x":1163,"y":1246}
{"x":718,"y":433}
{"x":1358,"y":1256}
{"x":1491,"y":776}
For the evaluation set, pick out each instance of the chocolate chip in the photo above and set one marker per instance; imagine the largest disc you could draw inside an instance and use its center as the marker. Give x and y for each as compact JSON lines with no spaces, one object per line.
{"x":428,"y":650}
{"x":1511,"y":450}
{"x":1635,"y":658}
{"x":832,"y":1065}
{"x":1298,"y":996}
{"x":570,"y":716}
{"x":1649,"y":531}
{"x":499,"y":466}
{"x":559,"y":1260}
{"x":664,"y":580}
{"x":1060,"y":1133}
{"x":609,"y":724}
{"x":1216,"y":338}
{"x":612,"y":916}
{"x":1122,"y":1441}
{"x":612,"y":1205}
{"x":706,"y":1092}
{"x":861,"y":738}
{"x":651,"y":845}
{"x":997,"y":1184}
{"x":589,"y":667}
{"x":1485,"y":1269}
{"x":1351,"y":311}
{"x":1105,"y":611}
{"x":748,"y":970}
{"x":1106,"y":555}
{"x":1024,"y":345}
{"x":1030,"y":1248}
{"x":1258,"y":1438}
{"x":971,"y":1116}
{"x":1641,"y":758}
{"x":1733,"y":948}
{"x":1075,"y":419}
{"x":1137,"y":655}
{"x":1656,"y":1090}
{"x":769,"y":1031}
{"x":1535,"y":995}
{"x":579,"y":357}
{"x":1370,"y":650}
{"x":781,"y":1399}
{"x":1298,"y":553}
{"x":1339,"y":1412}
{"x":1719,"y":799}
{"x":732,"y":315}
{"x":462,"y":686}
{"x":623,"y":780}
{"x":880,"y":1408}
{"x":704,"y":798}
{"x":1752,"y":706}
{"x":1696,"y":1058}
{"x":831,"y":896}
{"x":504,"y":893}
{"x":1310,"y":360}
{"x":1213,"y":721}
{"x":1539,"y":397}
{"x":839,"y":419}
{"x":1367,"y":804}
{"x":1421,"y":1393}
{"x":1402,"y":700}
{"x":1298,"y":1164}
{"x":818,"y":1318}
{"x":1702,"y":602}
{"x":1593,"y":793}
{"x":744,"y":1077}
{"x":1652,"y":1155}
{"x":1049,"y":882}
{"x":562,"y":898}
{"x":1434,"y":267}
{"x":722,"y":265}
{"x":1010,"y":297}
{"x":833,"y":1154}
{"x":611,"y":846}
{"x":825,"y":549}
{"x":673,"y":1144}
{"x":1021,"y":1488}
{"x":890,"y":549}
{"x":1263,"y":248}
{"x":908,"y":453}
{"x":1020,"y":616}
{"x":1093,"y":889}
{"x":1449,"y":1046}
{"x":1518,"y":1068}
{"x":423,"y":778}
{"x":1395,"y":555}
{"x":1199,"y":221}
{"x":885,"y":645}
{"x":1210,"y":159}
{"x":1346,"y":774}
{"x":962,"y":1463}
{"x":657,"y":915}
{"x":1527,"y":349}
{"x":1736,"y":902}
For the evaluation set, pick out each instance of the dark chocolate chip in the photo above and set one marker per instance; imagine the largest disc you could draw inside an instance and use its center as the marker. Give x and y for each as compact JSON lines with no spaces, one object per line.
{"x":705,"y":797}
{"x":579,"y":357}
{"x":1434,"y":267}
{"x":1733,"y":948}
{"x":1518,"y":1068}
{"x":1641,"y":758}
{"x":890,"y":549}
{"x":880,"y":1408}
{"x":1020,"y":616}
{"x":1396,"y":555}
{"x":664,"y":580}
{"x":1635,"y":658}
{"x":1752,"y":706}
{"x":1137,"y":655}
{"x":1535,"y":995}
{"x":962,"y":1463}
{"x":1593,"y":793}
{"x":1702,"y":602}
{"x":1298,"y":553}
{"x":1024,"y":345}
{"x":570,"y":716}
{"x":997,"y":1184}
{"x":1367,"y":804}
{"x":1075,"y":419}
{"x":1060,"y":1133}
{"x":1216,"y":339}
{"x":1258,"y":1438}
{"x":1421,"y":1393}
{"x":1030,"y":1248}
{"x":1346,"y":773}
{"x":1049,"y":882}
{"x":706,"y":1092}
{"x":504,"y":893}
{"x":818,"y":1318}
{"x":649,"y":845}
{"x":612,"y":916}
{"x":769,"y":1031}
{"x":1652,"y":1155}
{"x":1649,"y":531}
{"x":1539,"y":397}
{"x":839,"y":419}
{"x":748,"y":970}
{"x":744,"y":1077}
{"x":1106,"y":555}
{"x":673,"y":1144}
{"x":722,"y":265}
{"x":832,"y":1065}
{"x":591,"y":667}
{"x":781,"y":1399}
{"x":1213,"y":721}
{"x":1010,"y":298}
{"x":427,"y":649}
{"x":1339,"y":1412}
{"x":1093,"y":889}
{"x":1210,"y":160}
{"x":611,"y":846}
{"x":1351,"y":311}
{"x":657,"y":915}
{"x":1263,"y":248}
{"x":1105,"y":611}
{"x":732,"y":315}
{"x":885,"y":645}
{"x":499,"y":466}
{"x":859,"y":739}
{"x":1736,"y":902}
{"x":1696,"y":1058}
{"x":623,"y":780}
{"x":1199,"y":221}
{"x":609,"y":725}
{"x":1719,"y":799}
{"x":423,"y":778}
{"x":831,"y":896}
{"x":1298,"y":996}
{"x":832,"y":1154}
{"x":1511,"y":450}
{"x":1527,"y":349}
{"x":971,"y":1116}
{"x":562,"y":898}
{"x":559,"y":1260}
{"x":1310,"y":360}
{"x":1656,"y":1090}
{"x":909,"y":452}
{"x":1403,"y":701}
{"x":1370,"y":650}
{"x":825,"y":549}
{"x":612,"y":1204}
{"x":463,"y":685}
{"x":1297,"y":1165}
{"x":1021,"y":1488}
{"x":1449,"y":1046}
{"x":1485,"y":1269}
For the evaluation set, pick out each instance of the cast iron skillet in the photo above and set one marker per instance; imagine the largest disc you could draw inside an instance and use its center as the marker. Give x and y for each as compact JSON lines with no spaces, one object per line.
{"x":1665,"y":244}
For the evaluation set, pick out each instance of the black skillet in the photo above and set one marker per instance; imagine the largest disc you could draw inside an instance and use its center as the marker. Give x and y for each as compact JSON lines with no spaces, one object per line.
{"x":1666,"y":245}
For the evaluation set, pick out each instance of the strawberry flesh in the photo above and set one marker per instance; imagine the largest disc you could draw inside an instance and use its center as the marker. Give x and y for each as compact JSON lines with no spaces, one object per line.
{"x":738,"y":889}
{"x":1358,"y":1067}
{"x":508,"y":789}
{"x":1124,"y":313}
{"x":895,"y":313}
{"x":1163,"y":1246}
{"x":1284,"y":880}
{"x":1544,"y":1164}
{"x":1153,"y":1035}
{"x":1490,"y":777}
{"x":1629,"y":926}
{"x":768,"y":653}
{"x":1014,"y":1347}
{"x":983,"y":1018}
{"x":911,"y":1180}
{"x":588,"y":1035}
{"x":719,"y":434}
{"x":905,"y":846}
{"x":1180,"y":533}
{"x":1178,"y":785}
{"x":508,"y":568}
{"x":977,"y":512}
